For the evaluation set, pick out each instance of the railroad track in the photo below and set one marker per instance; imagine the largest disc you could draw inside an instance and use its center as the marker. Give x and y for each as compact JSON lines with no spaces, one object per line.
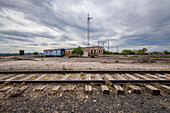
{"x":15,"y":83}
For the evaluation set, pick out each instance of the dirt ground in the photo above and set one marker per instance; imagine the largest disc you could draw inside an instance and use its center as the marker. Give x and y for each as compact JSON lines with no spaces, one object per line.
{"x":114,"y":62}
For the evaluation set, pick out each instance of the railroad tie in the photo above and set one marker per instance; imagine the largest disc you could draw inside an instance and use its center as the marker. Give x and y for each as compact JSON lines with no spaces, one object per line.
{"x":5,"y":88}
{"x":88,"y":88}
{"x":56,"y":88}
{"x":118,"y":88}
{"x":135,"y":89}
{"x":42,"y":87}
{"x":15,"y":91}
{"x":13,"y":77}
{"x":40,"y":77}
{"x":166,"y":76}
{"x":27,"y":77}
{"x":163,"y":87}
{"x":72,"y":87}
{"x":153,"y":90}
{"x":104,"y":88}
{"x":5,"y":76}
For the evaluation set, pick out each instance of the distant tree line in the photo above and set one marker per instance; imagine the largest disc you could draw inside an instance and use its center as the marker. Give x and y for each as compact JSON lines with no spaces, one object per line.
{"x":135,"y":52}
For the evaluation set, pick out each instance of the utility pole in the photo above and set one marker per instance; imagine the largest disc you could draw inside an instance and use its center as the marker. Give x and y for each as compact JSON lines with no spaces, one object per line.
{"x":98,"y":43}
{"x":108,"y":46}
{"x":117,"y":48}
{"x":103,"y":45}
{"x":88,"y":29}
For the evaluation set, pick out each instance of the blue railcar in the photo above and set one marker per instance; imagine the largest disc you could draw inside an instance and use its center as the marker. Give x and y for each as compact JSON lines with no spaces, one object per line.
{"x":54,"y":52}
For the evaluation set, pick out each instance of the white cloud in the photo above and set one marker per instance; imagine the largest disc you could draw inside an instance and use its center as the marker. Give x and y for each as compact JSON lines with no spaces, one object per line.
{"x":128,"y":23}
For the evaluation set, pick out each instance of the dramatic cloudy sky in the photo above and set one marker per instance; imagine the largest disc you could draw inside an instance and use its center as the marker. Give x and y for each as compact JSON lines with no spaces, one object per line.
{"x":35,"y":25}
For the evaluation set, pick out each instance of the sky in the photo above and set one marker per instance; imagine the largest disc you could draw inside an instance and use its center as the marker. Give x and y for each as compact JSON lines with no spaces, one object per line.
{"x":35,"y":25}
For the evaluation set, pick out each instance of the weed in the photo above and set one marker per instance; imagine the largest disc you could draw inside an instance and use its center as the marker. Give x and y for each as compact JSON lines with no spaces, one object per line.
{"x":92,"y":56}
{"x":157,"y":85}
{"x":116,"y":61}
{"x":4,"y":84}
{"x":108,"y":83}
{"x":92,"y":84}
{"x":14,"y":85}
{"x":82,"y":74}
{"x":64,"y":69}
{"x":127,"y":86}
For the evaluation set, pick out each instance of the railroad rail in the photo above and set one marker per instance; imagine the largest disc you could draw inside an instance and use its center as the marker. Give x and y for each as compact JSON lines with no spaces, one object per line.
{"x":153,"y":81}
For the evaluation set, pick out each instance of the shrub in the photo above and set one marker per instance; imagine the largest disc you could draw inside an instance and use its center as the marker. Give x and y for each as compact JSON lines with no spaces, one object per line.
{"x":128,"y":52}
{"x":166,"y":52}
{"x":35,"y":53}
{"x":92,"y":56}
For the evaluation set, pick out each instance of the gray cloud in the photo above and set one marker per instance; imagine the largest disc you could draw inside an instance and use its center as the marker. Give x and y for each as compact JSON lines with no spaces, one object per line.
{"x":49,"y":23}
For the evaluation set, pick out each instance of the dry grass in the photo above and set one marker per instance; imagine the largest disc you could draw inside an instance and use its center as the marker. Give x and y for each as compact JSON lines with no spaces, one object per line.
{"x":23,"y":75}
{"x":93,"y":76}
{"x":15,"y":85}
{"x":34,"y":76}
{"x":157,"y":85}
{"x":4,"y":84}
{"x":47,"y":77}
{"x":82,"y":74}
{"x":127,"y":86}
{"x":109,"y":84}
{"x":72,"y":76}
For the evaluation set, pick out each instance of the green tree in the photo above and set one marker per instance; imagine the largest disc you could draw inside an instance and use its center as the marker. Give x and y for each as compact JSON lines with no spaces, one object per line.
{"x":35,"y":53}
{"x":105,"y":52}
{"x":128,"y":52}
{"x":166,"y":52}
{"x":144,"y":50}
{"x":139,"y":52}
{"x":78,"y":51}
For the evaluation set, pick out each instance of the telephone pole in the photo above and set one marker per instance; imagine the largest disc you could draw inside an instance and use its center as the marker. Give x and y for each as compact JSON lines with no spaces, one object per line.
{"x":88,"y":29}
{"x":103,"y":45}
{"x":117,"y":48}
{"x":108,"y":46}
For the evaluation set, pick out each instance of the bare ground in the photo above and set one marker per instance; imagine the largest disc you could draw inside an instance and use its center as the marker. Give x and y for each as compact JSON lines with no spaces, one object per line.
{"x":117,"y":62}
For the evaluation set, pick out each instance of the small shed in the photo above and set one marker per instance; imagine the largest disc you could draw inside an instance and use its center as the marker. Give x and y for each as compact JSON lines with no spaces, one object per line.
{"x":21,"y":52}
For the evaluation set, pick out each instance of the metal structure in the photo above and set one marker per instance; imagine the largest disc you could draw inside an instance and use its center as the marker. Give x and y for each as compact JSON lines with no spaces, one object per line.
{"x":108,"y":46}
{"x":88,"y":29}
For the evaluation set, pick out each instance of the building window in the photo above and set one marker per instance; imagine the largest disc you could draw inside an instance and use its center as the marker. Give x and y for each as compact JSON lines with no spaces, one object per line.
{"x":95,"y":51}
{"x":91,"y":51}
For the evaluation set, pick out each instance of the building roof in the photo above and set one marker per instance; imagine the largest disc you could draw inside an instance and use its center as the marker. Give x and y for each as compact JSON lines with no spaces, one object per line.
{"x":89,"y":47}
{"x":51,"y":49}
{"x":72,"y":48}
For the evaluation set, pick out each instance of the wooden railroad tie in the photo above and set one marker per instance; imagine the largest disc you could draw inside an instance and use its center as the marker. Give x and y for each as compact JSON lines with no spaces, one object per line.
{"x":88,"y":88}
{"x":118,"y":88}
{"x":56,"y":88}
{"x":153,"y":90}
{"x":135,"y":89}
{"x":104,"y":88}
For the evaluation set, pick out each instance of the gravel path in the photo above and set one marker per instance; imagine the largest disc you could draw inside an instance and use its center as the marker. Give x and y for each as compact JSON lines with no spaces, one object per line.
{"x":38,"y":102}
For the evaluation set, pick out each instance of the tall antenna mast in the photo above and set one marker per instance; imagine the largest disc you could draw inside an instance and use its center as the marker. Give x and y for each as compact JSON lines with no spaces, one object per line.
{"x":108,"y":46}
{"x":88,"y":29}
